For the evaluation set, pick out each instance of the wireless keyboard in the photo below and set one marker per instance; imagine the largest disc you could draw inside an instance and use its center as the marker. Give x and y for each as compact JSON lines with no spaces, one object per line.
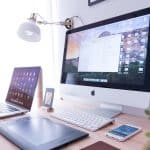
{"x":86,"y":120}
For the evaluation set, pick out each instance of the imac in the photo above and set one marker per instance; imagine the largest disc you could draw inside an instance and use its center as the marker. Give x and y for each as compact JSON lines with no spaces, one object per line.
{"x":109,"y":61}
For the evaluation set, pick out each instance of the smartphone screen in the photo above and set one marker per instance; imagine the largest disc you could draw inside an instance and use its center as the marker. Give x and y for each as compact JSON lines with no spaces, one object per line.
{"x":123,"y":130}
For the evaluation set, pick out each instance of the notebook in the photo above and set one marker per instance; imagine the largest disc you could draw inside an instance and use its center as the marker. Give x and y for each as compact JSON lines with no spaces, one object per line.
{"x":21,"y":91}
{"x":100,"y":145}
{"x":39,"y":133}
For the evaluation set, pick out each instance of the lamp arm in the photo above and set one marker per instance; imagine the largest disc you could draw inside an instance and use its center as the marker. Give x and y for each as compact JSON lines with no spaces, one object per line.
{"x":46,"y":22}
{"x":68,"y":23}
{"x":40,"y":20}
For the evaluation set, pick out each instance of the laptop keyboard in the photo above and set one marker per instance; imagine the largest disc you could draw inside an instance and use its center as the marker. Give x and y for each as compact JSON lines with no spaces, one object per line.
{"x":4,"y":108}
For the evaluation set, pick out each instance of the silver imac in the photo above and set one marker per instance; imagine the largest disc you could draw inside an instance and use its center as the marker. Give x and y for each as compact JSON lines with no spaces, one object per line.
{"x":108,"y":61}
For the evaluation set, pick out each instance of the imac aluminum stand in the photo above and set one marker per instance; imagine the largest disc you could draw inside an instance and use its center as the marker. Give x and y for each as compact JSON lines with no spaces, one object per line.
{"x":108,"y":110}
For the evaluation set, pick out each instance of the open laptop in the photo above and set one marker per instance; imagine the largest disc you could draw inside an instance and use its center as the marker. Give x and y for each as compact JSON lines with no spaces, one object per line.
{"x":21,"y":91}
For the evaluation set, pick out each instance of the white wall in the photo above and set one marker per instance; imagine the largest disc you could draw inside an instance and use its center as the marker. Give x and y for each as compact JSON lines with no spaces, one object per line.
{"x":105,"y":9}
{"x":89,"y":14}
{"x":16,"y":52}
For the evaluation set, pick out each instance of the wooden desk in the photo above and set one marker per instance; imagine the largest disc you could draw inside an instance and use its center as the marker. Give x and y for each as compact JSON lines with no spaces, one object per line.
{"x":135,"y":143}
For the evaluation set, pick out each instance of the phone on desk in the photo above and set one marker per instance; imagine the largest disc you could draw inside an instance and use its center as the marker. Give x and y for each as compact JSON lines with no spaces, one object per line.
{"x":123,"y":132}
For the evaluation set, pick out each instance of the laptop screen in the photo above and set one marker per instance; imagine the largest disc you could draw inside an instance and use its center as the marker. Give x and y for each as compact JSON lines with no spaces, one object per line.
{"x":22,"y":87}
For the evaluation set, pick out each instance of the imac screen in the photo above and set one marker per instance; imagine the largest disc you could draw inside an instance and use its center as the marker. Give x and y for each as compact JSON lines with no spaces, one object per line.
{"x":112,"y":53}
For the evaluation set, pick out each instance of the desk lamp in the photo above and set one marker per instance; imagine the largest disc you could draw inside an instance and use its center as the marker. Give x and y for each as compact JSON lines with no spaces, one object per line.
{"x":30,"y":31}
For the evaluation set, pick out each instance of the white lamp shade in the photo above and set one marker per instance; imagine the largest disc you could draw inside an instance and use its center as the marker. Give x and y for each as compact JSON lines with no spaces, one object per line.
{"x":29,"y":31}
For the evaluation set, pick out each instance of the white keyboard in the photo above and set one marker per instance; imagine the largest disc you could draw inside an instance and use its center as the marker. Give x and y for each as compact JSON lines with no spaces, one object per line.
{"x":82,"y":119}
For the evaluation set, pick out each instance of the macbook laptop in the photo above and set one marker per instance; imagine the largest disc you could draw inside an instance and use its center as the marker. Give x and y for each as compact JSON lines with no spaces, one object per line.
{"x":21,"y":91}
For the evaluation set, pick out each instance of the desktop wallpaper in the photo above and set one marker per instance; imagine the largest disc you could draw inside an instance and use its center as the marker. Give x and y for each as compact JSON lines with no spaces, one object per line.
{"x":112,"y":53}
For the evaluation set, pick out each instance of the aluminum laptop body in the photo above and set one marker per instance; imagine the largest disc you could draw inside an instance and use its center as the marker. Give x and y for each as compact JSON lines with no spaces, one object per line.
{"x":21,"y":91}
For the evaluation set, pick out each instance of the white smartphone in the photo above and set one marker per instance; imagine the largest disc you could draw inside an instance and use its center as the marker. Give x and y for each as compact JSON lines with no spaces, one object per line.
{"x":123,"y":132}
